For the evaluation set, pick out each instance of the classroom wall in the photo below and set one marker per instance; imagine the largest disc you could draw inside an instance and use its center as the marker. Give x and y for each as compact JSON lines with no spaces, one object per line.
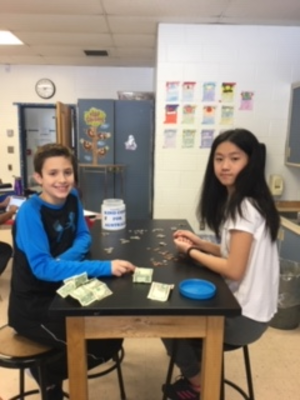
{"x":265,"y":60}
{"x":17,"y":85}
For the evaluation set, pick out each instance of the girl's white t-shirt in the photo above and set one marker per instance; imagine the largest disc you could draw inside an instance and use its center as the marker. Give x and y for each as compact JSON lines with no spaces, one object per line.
{"x":257,"y":292}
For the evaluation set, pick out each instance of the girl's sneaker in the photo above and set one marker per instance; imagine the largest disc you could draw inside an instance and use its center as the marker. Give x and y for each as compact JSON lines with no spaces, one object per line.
{"x":181,"y":390}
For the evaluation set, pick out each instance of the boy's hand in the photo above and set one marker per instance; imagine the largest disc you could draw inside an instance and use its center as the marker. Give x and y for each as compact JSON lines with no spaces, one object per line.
{"x":121,"y":267}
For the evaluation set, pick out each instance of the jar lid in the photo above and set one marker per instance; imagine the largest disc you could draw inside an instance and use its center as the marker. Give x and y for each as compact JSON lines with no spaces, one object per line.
{"x":113,"y":202}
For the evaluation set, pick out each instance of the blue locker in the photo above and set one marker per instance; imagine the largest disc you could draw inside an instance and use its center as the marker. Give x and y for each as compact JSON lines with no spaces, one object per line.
{"x":116,"y":132}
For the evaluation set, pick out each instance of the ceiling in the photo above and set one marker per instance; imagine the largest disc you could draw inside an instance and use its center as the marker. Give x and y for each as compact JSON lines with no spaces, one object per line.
{"x":56,"y":32}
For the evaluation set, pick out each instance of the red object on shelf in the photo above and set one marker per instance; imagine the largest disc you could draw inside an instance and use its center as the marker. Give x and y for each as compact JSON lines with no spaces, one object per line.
{"x":90,"y":222}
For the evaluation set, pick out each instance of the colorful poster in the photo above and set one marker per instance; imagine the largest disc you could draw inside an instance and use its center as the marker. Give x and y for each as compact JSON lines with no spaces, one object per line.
{"x":227,"y":113}
{"x":188,"y":138}
{"x":246,"y":101}
{"x":209,"y":91}
{"x":206,"y":138}
{"x":209,"y":115}
{"x":188,"y":91}
{"x":170,"y":136}
{"x":171,"y":113}
{"x":188,"y":114}
{"x":172,"y":91}
{"x":227,"y":92}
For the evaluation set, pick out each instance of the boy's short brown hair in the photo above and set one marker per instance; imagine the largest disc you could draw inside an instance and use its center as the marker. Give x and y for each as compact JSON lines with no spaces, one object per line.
{"x":52,"y":150}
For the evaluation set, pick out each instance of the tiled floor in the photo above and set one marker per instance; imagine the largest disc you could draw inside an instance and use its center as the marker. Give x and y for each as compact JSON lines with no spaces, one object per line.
{"x":275,"y":364}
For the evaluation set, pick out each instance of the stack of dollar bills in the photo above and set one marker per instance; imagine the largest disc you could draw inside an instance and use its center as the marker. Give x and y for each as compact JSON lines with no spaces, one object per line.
{"x":160,"y":291}
{"x":142,"y":275}
{"x":85,"y":290}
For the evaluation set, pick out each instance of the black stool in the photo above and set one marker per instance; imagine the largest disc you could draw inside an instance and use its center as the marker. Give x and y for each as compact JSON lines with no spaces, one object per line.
{"x":17,"y":352}
{"x":117,"y":359}
{"x":246,"y":396}
{"x":250,"y":394}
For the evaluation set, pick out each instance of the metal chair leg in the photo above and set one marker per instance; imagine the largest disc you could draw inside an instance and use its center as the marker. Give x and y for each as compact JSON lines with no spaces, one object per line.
{"x":22,"y":384}
{"x":117,"y":359}
{"x":171,"y":366}
{"x":248,"y":373}
{"x":42,"y":381}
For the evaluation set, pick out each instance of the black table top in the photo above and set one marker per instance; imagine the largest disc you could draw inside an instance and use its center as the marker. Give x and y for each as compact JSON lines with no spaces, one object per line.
{"x":129,"y":299}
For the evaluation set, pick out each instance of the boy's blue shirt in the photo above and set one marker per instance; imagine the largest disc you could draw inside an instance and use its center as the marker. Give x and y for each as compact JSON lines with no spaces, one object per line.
{"x":32,"y":240}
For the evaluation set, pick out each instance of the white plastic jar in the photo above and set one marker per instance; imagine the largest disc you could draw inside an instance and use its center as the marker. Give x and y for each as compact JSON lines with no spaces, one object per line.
{"x":113,"y":214}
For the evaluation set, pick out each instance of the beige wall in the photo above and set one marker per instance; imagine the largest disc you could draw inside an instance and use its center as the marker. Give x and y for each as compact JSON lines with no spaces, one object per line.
{"x":18,"y":86}
{"x":264,"y":60}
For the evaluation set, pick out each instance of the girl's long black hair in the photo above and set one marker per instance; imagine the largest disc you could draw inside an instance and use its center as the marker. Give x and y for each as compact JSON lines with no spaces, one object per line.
{"x":215,"y":206}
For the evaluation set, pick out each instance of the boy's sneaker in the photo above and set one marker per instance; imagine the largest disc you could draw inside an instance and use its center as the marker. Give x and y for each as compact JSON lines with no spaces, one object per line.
{"x":181,"y":390}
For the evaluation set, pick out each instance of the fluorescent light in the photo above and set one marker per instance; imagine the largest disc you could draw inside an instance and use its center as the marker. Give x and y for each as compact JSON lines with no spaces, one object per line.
{"x":7,"y":37}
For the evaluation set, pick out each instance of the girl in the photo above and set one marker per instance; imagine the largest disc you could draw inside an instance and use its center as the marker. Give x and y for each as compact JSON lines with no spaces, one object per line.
{"x":237,"y":205}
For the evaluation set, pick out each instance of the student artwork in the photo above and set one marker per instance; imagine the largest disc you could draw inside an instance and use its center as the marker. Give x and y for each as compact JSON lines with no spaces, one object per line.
{"x":209,"y":91}
{"x":171,"y":113}
{"x":170,"y":138}
{"x":188,"y":138}
{"x":188,"y":90}
{"x":130,"y":144}
{"x":206,"y":138}
{"x":227,"y":92}
{"x":246,"y":101}
{"x":209,"y":115}
{"x":188,"y":114}
{"x":172,"y":91}
{"x":95,"y":145}
{"x":227,"y":115}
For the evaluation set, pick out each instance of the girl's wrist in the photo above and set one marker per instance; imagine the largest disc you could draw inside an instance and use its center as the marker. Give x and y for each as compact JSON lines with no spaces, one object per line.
{"x":188,"y":252}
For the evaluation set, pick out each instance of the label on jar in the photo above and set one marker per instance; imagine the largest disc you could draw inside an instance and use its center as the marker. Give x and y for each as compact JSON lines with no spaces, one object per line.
{"x":113,"y":214}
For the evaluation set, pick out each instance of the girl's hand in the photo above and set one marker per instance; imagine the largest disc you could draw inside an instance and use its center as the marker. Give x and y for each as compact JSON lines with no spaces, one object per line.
{"x":121,"y":267}
{"x":187,"y":236}
{"x":13,"y":209}
{"x":182,"y":244}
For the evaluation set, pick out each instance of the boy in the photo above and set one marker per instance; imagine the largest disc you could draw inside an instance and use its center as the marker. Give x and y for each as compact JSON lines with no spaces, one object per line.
{"x":51,"y":240}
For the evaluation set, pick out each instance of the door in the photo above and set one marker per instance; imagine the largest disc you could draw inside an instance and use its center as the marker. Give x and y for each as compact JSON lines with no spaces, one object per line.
{"x":38,"y":124}
{"x":39,"y":129}
{"x":64,"y":125}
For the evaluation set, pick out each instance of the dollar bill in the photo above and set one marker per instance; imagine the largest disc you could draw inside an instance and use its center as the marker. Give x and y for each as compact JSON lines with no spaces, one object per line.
{"x":78,"y":279}
{"x":85,"y":290}
{"x":66,"y":289}
{"x":142,"y":275}
{"x":100,"y":289}
{"x":101,"y":292}
{"x":159,"y":291}
{"x":83,"y":295}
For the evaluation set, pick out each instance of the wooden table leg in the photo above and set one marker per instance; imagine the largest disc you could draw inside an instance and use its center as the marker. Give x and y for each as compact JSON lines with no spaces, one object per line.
{"x":211,"y":366}
{"x":77,"y":364}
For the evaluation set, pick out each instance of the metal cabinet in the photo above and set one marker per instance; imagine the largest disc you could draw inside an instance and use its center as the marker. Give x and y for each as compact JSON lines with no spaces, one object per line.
{"x":292,"y":149}
{"x":289,"y":244}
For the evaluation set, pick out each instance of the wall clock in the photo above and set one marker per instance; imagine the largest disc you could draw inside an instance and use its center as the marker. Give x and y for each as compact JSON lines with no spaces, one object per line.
{"x":45,"y":88}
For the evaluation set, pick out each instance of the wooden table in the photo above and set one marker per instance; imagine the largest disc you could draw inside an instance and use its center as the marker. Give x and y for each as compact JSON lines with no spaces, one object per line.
{"x":128,"y":312}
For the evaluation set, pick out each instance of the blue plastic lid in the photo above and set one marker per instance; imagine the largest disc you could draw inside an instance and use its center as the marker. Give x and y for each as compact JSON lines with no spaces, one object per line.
{"x":197,"y":289}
